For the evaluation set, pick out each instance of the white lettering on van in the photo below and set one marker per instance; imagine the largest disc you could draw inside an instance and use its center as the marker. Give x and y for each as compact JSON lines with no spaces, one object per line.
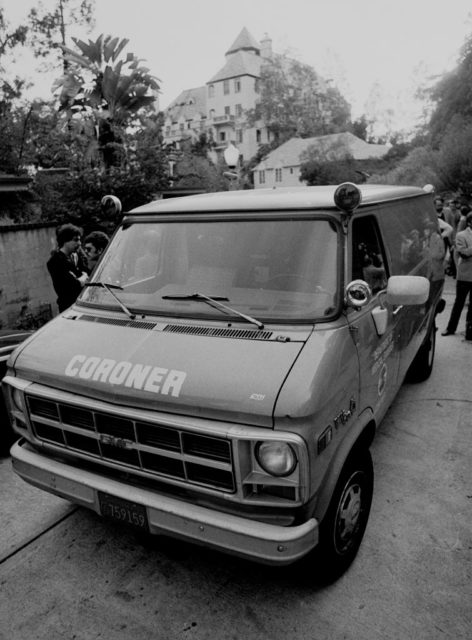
{"x":89,"y":366}
{"x":72,"y":369}
{"x":103,"y":370}
{"x":138,"y":376}
{"x":173,"y":383}
{"x":119,"y":372}
{"x":154,"y":379}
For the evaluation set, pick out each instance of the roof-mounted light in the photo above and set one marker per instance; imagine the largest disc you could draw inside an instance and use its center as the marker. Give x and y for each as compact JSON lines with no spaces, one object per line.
{"x":347,"y":197}
{"x":111,"y":205}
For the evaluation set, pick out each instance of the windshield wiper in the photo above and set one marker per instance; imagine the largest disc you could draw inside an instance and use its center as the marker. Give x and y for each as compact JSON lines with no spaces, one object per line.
{"x":109,"y":287}
{"x":215,"y":301}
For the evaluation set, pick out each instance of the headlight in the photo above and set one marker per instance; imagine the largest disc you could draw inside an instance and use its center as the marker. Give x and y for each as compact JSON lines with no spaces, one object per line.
{"x":276,"y":458}
{"x":17,"y":399}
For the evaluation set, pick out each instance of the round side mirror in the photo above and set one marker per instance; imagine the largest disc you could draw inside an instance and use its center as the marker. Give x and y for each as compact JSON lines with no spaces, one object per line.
{"x":357,"y":294}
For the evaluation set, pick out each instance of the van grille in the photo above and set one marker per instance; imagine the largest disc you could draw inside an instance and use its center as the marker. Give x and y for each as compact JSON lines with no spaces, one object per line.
{"x":169,"y":453}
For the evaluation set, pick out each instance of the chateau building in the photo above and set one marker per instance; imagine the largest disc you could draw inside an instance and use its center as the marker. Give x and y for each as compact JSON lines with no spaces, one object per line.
{"x":218,"y":108}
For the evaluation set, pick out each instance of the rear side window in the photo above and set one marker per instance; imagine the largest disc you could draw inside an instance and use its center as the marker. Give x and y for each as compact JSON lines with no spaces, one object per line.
{"x":408,"y":227}
{"x":368,"y":255}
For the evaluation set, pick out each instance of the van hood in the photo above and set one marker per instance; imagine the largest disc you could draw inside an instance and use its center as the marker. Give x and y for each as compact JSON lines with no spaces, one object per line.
{"x":223,"y":378}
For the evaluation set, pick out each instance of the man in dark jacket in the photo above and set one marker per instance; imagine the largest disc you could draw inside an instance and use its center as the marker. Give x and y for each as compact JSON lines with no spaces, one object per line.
{"x":67,"y":276}
{"x":464,"y":281}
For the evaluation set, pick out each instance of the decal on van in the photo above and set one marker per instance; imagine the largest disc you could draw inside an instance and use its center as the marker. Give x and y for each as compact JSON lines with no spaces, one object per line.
{"x":138,"y":376}
{"x":382,"y":380}
{"x":382,"y":352}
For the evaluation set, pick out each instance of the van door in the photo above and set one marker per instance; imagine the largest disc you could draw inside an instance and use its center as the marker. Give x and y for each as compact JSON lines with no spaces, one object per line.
{"x":379,"y":354}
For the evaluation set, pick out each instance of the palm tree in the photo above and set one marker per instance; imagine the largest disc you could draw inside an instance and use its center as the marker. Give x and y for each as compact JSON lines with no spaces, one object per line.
{"x":111,"y":90}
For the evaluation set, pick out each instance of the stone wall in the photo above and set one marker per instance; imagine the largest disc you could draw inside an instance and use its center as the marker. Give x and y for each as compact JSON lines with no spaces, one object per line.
{"x":27,"y":299}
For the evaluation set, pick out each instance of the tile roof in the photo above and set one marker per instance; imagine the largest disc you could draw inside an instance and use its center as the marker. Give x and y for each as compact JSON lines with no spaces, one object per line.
{"x":188,"y":104}
{"x":237,"y":64}
{"x":333,"y":146}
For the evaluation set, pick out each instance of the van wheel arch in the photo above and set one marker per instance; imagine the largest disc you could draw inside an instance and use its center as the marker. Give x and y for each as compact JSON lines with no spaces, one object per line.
{"x":343,"y":526}
{"x":422,"y":366}
{"x":361,"y":444}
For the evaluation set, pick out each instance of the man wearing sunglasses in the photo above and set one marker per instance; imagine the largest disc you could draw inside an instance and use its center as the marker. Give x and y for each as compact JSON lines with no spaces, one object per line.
{"x":94,"y":245}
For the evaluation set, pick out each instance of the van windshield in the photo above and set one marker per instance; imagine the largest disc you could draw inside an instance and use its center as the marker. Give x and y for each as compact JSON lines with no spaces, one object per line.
{"x":272,"y":270}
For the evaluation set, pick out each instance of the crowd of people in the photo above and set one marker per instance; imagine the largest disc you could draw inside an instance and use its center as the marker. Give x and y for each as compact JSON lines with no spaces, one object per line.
{"x":70,"y":265}
{"x":456,"y":220}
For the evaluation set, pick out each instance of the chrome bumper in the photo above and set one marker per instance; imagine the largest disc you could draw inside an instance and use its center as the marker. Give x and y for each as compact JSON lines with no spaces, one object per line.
{"x":266,"y":543}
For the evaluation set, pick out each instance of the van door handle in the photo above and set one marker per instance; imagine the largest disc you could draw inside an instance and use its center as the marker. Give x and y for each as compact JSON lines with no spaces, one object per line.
{"x":397,"y":309}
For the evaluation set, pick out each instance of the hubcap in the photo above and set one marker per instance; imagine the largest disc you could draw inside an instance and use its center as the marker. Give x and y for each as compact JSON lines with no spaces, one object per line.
{"x":348,"y":516}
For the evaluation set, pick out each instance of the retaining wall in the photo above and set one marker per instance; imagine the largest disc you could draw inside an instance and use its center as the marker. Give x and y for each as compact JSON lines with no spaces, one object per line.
{"x":27,"y":298}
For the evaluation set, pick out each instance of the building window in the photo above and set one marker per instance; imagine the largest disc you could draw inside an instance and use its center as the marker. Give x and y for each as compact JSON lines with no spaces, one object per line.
{"x":222,"y":136}
{"x":258,"y":135}
{"x":261,"y":177}
{"x":278,"y":175}
{"x":211,"y":90}
{"x":227,"y":111}
{"x":239,"y":136}
{"x":238,"y":110}
{"x":237,"y":85}
{"x":226,"y":87}
{"x":181,"y":126}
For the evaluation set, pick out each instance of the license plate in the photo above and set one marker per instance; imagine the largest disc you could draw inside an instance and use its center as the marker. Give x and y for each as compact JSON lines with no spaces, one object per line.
{"x":124,"y":511}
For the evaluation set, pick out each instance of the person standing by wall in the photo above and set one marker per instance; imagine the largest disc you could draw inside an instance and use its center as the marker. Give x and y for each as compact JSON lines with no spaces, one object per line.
{"x":94,"y":245}
{"x":66,"y":273}
{"x":463,"y":282}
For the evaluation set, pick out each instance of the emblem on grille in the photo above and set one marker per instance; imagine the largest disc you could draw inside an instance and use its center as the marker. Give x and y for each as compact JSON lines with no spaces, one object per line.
{"x":119,"y":443}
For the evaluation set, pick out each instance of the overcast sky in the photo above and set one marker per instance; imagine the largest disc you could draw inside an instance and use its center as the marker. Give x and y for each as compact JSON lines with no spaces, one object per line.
{"x":355,"y":42}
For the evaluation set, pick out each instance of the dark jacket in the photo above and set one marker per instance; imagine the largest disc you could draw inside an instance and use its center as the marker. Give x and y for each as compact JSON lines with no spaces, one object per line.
{"x":65,"y":279}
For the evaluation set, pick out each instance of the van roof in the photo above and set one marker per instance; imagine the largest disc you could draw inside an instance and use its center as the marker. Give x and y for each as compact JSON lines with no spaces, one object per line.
{"x":320,"y":197}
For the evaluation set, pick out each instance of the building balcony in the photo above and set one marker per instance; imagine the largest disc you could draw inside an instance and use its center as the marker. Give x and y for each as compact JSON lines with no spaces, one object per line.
{"x":221,"y":120}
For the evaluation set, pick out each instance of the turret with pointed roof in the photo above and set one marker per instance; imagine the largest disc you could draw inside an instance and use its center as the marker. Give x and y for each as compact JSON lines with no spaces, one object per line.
{"x":244,"y":42}
{"x":242,"y":58}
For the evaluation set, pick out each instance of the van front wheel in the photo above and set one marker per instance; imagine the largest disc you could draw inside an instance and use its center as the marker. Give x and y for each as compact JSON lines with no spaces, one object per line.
{"x":343,"y":527}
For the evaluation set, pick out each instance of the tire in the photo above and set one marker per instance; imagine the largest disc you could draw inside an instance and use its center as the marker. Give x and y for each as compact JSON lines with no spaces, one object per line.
{"x":343,"y":527}
{"x":7,"y":436}
{"x":422,"y":366}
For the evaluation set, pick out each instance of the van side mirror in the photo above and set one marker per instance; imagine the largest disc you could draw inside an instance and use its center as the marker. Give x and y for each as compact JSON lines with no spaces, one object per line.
{"x":407,"y":290}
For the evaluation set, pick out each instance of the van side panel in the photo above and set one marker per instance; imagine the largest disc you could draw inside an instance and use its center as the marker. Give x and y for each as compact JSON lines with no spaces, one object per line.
{"x":414,"y":247}
{"x":320,"y":398}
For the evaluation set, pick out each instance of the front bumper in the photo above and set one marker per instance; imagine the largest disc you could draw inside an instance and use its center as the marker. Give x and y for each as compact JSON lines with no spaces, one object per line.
{"x":266,"y":543}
